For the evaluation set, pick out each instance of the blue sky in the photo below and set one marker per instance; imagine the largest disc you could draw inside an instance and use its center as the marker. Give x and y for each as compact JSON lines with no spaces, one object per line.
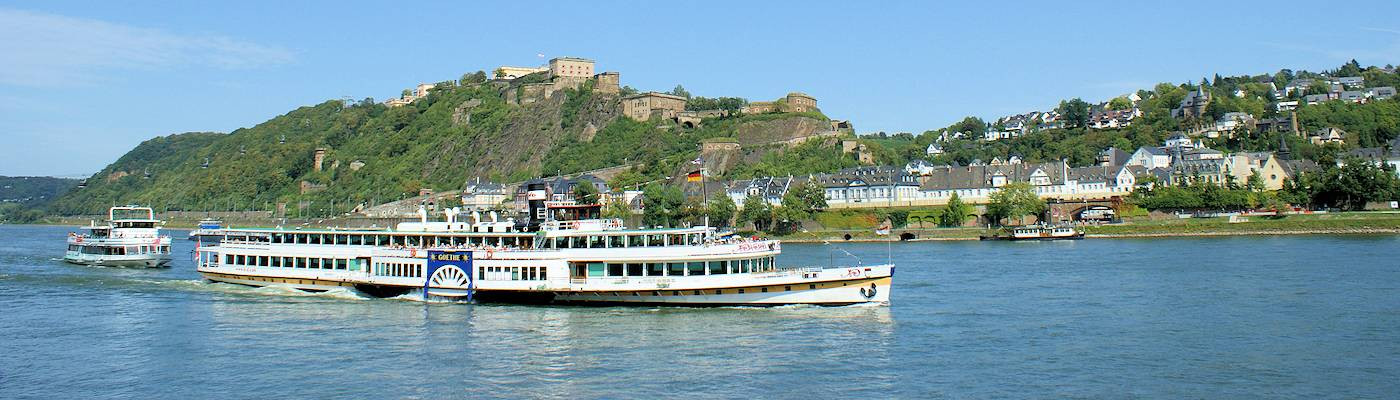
{"x":83,"y":82}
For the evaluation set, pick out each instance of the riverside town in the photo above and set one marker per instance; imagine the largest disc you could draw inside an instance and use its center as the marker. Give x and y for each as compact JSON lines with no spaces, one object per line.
{"x":895,"y":200}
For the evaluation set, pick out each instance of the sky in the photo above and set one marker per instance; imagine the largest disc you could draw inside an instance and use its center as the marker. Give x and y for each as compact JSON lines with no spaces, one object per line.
{"x":83,"y":82}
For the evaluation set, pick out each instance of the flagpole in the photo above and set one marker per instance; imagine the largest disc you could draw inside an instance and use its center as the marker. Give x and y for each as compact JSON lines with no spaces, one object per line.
{"x":704,"y":197}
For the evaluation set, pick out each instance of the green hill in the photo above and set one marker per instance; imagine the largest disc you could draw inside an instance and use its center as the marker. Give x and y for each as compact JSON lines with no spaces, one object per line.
{"x":376,"y":153}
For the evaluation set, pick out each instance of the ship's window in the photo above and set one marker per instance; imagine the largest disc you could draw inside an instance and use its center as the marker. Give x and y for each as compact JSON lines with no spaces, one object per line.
{"x":277,"y":262}
{"x":675,"y":269}
{"x":562,"y":242}
{"x":741,"y":291}
{"x":636,"y":241}
{"x":480,"y":272}
{"x":595,"y":242}
{"x":697,"y":268}
{"x":543,"y":273}
{"x":165,"y":249}
{"x":239,"y":260}
{"x":578,"y":242}
{"x":716,"y":267}
{"x":656,"y":240}
{"x":301,"y":262}
{"x":787,"y":288}
{"x":616,"y":241}
{"x":764,"y":290}
{"x":354,"y":240}
{"x":812,"y":287}
{"x":262,"y":261}
{"x":634,"y":269}
{"x":341,"y":264}
{"x":614,"y":269}
{"x":656,"y":269}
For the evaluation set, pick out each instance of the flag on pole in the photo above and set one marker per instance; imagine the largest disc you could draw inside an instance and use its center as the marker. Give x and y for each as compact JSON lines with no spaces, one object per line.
{"x":693,"y":176}
{"x":883,"y":229}
{"x":698,"y":161}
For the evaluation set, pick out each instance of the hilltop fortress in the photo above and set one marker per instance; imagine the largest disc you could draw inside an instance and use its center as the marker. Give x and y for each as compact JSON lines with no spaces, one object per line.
{"x":535,"y":84}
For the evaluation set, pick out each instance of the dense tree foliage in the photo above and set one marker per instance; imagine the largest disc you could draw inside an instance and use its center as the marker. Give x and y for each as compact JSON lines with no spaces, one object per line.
{"x":954,"y":213}
{"x":756,"y":211}
{"x":1013,"y":201}
{"x":1349,"y":186}
{"x":663,"y":205}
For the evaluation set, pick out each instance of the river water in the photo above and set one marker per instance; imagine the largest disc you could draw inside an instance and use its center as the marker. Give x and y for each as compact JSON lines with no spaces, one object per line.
{"x":1221,"y":317}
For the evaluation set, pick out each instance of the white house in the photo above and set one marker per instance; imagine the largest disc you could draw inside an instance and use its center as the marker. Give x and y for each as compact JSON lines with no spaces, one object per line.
{"x":1149,"y":158}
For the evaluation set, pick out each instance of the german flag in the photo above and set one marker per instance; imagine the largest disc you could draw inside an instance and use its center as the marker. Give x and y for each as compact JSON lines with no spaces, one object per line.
{"x":693,"y":176}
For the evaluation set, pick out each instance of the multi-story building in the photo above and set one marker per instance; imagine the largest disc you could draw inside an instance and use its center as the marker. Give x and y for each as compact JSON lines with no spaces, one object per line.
{"x":571,"y":67}
{"x":642,"y":107}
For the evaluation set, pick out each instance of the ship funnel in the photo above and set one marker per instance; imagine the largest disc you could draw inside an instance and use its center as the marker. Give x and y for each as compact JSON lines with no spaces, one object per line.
{"x":422,"y":213}
{"x":476,"y":217}
{"x":494,"y":217}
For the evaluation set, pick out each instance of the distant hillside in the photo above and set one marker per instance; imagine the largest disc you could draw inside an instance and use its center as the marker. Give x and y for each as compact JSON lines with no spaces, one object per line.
{"x":32,"y":191}
{"x":374,"y":153}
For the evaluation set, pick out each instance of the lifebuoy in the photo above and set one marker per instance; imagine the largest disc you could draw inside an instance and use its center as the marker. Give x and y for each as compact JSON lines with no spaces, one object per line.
{"x":412,"y":252}
{"x":490,"y":254}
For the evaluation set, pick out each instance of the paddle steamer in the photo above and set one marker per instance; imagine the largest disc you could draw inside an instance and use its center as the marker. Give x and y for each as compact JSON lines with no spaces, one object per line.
{"x":122,"y":242}
{"x":559,"y":252}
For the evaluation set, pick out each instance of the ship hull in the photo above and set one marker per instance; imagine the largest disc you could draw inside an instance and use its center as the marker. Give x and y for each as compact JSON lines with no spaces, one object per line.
{"x":875,"y":291}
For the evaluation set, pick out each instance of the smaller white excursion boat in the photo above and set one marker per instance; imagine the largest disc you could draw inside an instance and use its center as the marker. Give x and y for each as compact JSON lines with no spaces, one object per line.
{"x":209,"y":230}
{"x":1038,"y":232}
{"x":123,"y":242}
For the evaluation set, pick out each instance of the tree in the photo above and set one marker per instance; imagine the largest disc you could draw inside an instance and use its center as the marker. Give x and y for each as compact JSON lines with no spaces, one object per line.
{"x":585,"y":192}
{"x":1015,"y":200}
{"x":1354,"y":184}
{"x":617,"y":208}
{"x":1120,"y":103}
{"x":474,"y":77}
{"x":500,"y":73}
{"x":406,"y":93}
{"x":663,"y":205}
{"x":720,"y":209}
{"x":627,"y":90}
{"x":757,"y":211}
{"x":954,"y":214}
{"x":679,"y":91}
{"x":1075,"y":112}
{"x":1255,"y":182}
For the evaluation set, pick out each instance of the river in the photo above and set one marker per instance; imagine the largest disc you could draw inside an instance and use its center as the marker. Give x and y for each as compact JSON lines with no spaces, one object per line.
{"x":1219,"y":317}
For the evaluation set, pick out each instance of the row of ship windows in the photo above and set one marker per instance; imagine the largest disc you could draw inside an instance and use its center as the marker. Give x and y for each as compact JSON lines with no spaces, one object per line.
{"x":512,"y":273}
{"x":692,"y":268}
{"x":389,"y":240}
{"x":119,"y":250}
{"x":618,"y":241}
{"x":401,"y":270}
{"x":404,"y":270}
{"x":292,"y":262}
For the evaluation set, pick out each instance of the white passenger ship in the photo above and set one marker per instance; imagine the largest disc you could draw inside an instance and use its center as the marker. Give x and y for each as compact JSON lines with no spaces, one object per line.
{"x":562,"y":254}
{"x":122,"y":242}
{"x":208,"y":230}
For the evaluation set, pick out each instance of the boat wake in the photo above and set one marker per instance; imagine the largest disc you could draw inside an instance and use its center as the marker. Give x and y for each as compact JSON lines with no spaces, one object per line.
{"x":416,"y":296}
{"x":199,"y":285}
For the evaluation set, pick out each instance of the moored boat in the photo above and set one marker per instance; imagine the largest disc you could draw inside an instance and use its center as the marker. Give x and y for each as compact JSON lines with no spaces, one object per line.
{"x":1037,"y":232}
{"x":123,"y":242}
{"x":562,"y":253}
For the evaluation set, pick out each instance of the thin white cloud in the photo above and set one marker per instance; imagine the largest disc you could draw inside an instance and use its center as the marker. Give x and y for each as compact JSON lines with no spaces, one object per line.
{"x":1386,"y":30}
{"x":54,"y":50}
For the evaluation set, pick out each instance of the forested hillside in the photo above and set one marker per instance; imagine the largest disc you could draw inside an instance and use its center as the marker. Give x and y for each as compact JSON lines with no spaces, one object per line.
{"x":376,"y":153}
